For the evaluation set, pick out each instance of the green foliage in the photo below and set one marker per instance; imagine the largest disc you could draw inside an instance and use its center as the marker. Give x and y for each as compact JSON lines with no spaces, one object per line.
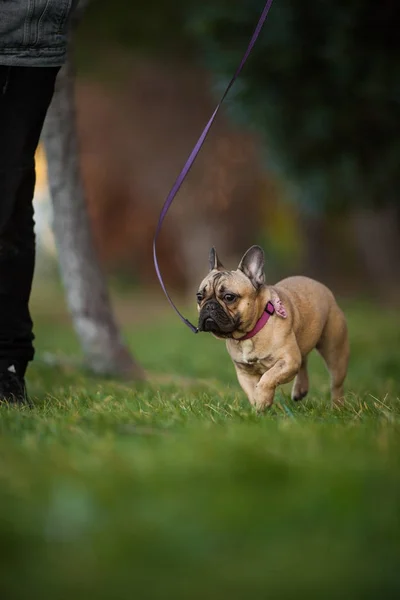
{"x":142,"y":26}
{"x":322,"y":87}
{"x":178,"y":490}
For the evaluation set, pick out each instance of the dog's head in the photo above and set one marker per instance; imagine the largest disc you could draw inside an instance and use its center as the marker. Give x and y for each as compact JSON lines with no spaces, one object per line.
{"x":228,"y":301}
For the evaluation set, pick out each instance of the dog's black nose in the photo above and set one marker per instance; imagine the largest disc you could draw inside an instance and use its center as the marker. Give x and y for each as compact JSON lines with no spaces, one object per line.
{"x":210,"y":316}
{"x":210,"y":307}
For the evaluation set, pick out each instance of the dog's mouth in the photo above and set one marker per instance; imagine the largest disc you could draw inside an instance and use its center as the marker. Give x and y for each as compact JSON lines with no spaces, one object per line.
{"x":211,"y":326}
{"x":213,"y":319}
{"x":208,"y":324}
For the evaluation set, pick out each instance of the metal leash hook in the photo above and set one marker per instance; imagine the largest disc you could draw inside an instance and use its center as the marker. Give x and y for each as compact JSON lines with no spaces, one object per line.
{"x":193,"y":155}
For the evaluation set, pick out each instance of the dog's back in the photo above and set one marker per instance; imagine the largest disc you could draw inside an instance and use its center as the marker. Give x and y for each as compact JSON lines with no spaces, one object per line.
{"x":312,"y":305}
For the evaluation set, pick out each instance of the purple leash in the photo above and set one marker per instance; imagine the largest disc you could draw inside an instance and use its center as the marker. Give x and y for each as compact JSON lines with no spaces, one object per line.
{"x":192,"y":158}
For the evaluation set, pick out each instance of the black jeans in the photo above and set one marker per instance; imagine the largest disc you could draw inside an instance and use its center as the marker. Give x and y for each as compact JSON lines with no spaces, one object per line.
{"x":25,"y":94}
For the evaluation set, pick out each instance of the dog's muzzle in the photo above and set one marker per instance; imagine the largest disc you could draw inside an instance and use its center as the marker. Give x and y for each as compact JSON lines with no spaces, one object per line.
{"x":214,"y":319}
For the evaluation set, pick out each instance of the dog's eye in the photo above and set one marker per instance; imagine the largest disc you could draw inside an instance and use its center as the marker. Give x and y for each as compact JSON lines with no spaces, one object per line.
{"x":229,"y":297}
{"x":199,"y":297}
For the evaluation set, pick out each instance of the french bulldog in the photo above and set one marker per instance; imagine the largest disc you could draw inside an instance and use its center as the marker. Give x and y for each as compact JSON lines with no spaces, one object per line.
{"x":270,"y":330}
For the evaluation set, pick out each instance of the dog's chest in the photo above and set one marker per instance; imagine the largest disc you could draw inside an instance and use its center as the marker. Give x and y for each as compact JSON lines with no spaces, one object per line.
{"x":247,"y":355}
{"x":247,"y":352}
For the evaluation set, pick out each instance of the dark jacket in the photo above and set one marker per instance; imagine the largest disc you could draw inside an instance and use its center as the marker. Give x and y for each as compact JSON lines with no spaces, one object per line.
{"x":34,"y":32}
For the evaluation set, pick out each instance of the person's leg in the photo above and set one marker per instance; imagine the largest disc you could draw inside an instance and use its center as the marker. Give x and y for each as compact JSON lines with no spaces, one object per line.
{"x":25,"y":94}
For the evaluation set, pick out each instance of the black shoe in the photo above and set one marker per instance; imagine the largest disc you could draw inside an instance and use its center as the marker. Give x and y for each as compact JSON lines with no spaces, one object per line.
{"x":12,"y":386}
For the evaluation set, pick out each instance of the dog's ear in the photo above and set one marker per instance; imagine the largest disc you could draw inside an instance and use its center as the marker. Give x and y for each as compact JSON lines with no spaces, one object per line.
{"x":278,"y":305}
{"x":214,"y":261}
{"x":252,"y":265}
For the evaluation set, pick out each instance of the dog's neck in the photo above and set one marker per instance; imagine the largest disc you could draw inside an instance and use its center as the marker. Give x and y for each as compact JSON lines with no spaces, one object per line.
{"x":269,"y":311}
{"x":264,"y":297}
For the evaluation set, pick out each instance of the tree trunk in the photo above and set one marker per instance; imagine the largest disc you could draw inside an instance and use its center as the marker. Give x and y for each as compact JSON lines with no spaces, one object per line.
{"x":84,"y":281}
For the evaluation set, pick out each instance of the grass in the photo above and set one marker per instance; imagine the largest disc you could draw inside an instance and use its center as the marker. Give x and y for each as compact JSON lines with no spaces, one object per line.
{"x":177,"y":489}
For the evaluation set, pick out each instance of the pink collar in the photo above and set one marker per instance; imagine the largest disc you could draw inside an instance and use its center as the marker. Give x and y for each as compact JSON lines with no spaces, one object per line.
{"x":268,"y":312}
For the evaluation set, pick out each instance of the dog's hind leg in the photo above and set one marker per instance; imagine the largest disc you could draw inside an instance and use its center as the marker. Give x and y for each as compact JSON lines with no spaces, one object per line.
{"x":334,"y":349}
{"x":300,"y":386}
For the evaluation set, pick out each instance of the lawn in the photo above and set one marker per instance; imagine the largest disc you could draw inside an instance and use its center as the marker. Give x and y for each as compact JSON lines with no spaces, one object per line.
{"x":177,"y":489}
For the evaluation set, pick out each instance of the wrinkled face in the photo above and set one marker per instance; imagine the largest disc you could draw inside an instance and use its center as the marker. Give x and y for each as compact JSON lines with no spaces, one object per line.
{"x":226,"y":303}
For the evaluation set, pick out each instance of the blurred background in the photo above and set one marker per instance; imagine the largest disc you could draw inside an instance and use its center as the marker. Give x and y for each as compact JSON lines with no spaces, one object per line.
{"x":176,"y":488}
{"x":304,"y":158}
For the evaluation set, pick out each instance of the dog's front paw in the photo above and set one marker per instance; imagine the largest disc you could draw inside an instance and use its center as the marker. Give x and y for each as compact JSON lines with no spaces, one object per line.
{"x":264,"y":398}
{"x":262,"y":408}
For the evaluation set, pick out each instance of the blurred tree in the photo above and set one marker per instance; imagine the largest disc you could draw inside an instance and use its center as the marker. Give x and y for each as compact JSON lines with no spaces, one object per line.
{"x":85,"y":285}
{"x":322,"y":86}
{"x":162,"y":106}
{"x":323,"y":89}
